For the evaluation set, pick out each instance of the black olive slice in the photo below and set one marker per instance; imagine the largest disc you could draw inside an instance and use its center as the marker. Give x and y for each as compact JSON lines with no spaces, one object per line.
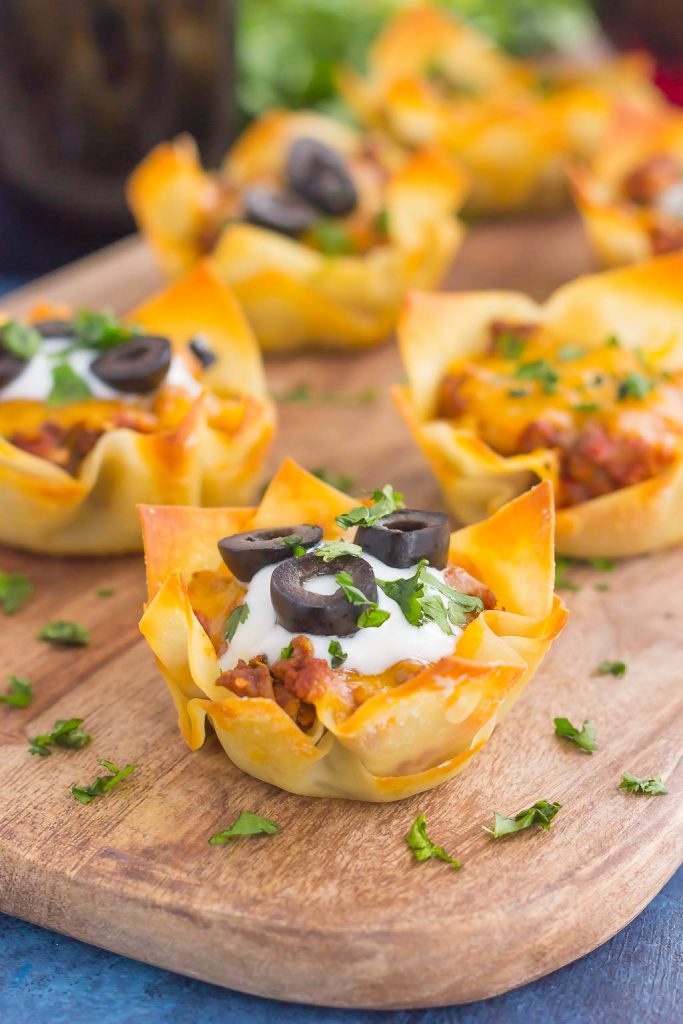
{"x":246,"y":553}
{"x":10,"y":367}
{"x":54,"y":328}
{"x":319,"y":174}
{"x":136,"y":366}
{"x":201,"y":350}
{"x":279,"y":211}
{"x":303,"y":611}
{"x":402,"y":538}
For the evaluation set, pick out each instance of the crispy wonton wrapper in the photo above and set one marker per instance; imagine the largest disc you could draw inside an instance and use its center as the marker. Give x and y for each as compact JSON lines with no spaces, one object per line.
{"x":509,"y":127}
{"x":621,"y":231}
{"x":400,"y":741}
{"x":292,"y":294}
{"x":211,"y":454}
{"x":641,"y":305}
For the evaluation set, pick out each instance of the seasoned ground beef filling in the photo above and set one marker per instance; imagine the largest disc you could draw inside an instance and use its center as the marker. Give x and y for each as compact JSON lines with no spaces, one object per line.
{"x":67,"y":446}
{"x":652,"y":186}
{"x":612,"y":418}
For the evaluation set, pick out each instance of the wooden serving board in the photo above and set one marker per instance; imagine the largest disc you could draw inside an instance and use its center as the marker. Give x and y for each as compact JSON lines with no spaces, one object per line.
{"x":333,"y":910}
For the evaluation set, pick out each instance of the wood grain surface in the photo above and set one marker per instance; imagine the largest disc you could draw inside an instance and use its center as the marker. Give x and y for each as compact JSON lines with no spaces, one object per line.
{"x":333,"y":910}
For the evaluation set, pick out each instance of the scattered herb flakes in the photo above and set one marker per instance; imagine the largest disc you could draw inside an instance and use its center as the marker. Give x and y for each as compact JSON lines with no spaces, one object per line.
{"x":297,"y":393}
{"x":295,"y":544}
{"x":20,"y":693}
{"x":634,"y":385}
{"x":352,"y":593}
{"x":541,"y":813}
{"x":587,"y":407}
{"x":65,"y":733}
{"x":67,"y":386}
{"x":381,"y":222}
{"x":332,"y":238}
{"x":20,"y":340}
{"x":611,"y":668}
{"x":643,"y":787}
{"x":105,"y":592}
{"x":103,"y":783}
{"x":585,"y":737}
{"x":423,"y":848}
{"x":517,"y":393}
{"x":566,"y":353}
{"x":601,"y":564}
{"x":337,"y":655}
{"x":303,"y":392}
{"x":418,"y":606}
{"x":541,"y":371}
{"x":236,"y":617}
{"x":340,"y":481}
{"x":372,"y":617}
{"x":247,"y":824}
{"x":509,"y":345}
{"x":562,"y":581}
{"x":612,"y":341}
{"x":65,"y":634}
{"x":101,"y":330}
{"x":15,"y":590}
{"x":287,"y":651}
{"x":602,"y":587}
{"x":384,"y":502}
{"x":329,"y":550}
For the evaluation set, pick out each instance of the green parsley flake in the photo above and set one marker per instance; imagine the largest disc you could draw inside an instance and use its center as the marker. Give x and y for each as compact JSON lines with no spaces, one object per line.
{"x":303,"y":392}
{"x":337,"y":655}
{"x":15,"y":590}
{"x":381,"y":225}
{"x":634,"y":385}
{"x":423,"y":848}
{"x":65,"y":733}
{"x":65,"y":634}
{"x":105,"y":592}
{"x":332,"y":238}
{"x":562,"y":581}
{"x":541,"y":813}
{"x":611,"y":668}
{"x":247,"y":824}
{"x":329,"y":550}
{"x":20,"y":340}
{"x":587,"y":407}
{"x":20,"y":693}
{"x":372,"y":616}
{"x":418,"y":606}
{"x":103,"y":783}
{"x":612,"y":341}
{"x":585,"y":737}
{"x":67,"y":386}
{"x":602,"y":587}
{"x":567,"y":353}
{"x":287,"y":652}
{"x":100,"y":331}
{"x":518,"y":393}
{"x":340,"y":481}
{"x":509,"y":345}
{"x":236,"y":617}
{"x":295,"y":543}
{"x":384,"y":502}
{"x":643,"y":787}
{"x":539,"y":370}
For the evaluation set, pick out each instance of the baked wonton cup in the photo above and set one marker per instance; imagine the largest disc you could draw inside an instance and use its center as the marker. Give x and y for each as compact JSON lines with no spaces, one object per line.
{"x":624,"y":228}
{"x":401,"y":740}
{"x":292,"y":293}
{"x":642,"y":306}
{"x":204,"y":448}
{"x":512,"y":125}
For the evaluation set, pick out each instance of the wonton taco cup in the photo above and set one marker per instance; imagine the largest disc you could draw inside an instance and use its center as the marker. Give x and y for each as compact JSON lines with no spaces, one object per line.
{"x":585,"y":391}
{"x":303,"y":273}
{"x":100,"y":414}
{"x":294,"y":708}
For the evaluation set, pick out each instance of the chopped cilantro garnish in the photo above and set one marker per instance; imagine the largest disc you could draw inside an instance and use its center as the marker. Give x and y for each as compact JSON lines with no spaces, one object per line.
{"x":236,"y":617}
{"x":105,"y":592}
{"x":247,"y":824}
{"x":337,"y":655}
{"x":340,"y":481}
{"x":509,"y":345}
{"x":21,"y":340}
{"x":541,"y":813}
{"x":384,"y":502}
{"x":601,"y":564}
{"x":602,"y":587}
{"x":634,"y":385}
{"x":539,"y":370}
{"x":67,"y":386}
{"x":15,"y":590}
{"x":584,"y":737}
{"x":612,"y":341}
{"x":65,"y":634}
{"x":329,"y":550}
{"x":372,"y":615}
{"x":611,"y":668}
{"x":332,"y":238}
{"x":103,"y":783}
{"x":295,"y":544}
{"x":20,"y":693}
{"x":352,"y":593}
{"x":644,"y":787}
{"x":423,"y":848}
{"x":562,"y":581}
{"x":586,"y":407}
{"x":418,"y":607}
{"x":100,"y":330}
{"x":287,"y":651}
{"x":381,"y":222}
{"x":568,"y":352}
{"x":65,"y":733}
{"x":517,"y":393}
{"x":303,"y":392}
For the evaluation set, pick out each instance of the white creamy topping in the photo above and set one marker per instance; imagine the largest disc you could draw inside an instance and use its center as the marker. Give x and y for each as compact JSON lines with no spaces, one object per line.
{"x":370,"y":651}
{"x":35,"y":380}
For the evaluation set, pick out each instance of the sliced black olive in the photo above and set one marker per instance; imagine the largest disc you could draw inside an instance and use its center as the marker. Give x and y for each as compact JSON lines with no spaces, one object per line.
{"x":303,"y":611}
{"x":136,"y":366}
{"x":54,"y":328}
{"x":200,"y":348}
{"x":319,"y":174}
{"x":402,"y":538}
{"x":10,"y":367}
{"x":278,"y":210}
{"x":246,"y":553}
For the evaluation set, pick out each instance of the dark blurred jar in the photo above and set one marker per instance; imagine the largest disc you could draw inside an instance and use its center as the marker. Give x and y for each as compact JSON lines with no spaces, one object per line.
{"x":87,"y":87}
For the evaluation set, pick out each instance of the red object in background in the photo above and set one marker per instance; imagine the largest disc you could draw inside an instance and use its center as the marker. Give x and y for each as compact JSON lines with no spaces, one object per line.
{"x":653,"y":25}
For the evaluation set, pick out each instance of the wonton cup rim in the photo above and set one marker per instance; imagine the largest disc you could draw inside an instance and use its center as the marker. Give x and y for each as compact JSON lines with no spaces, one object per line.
{"x":204,"y":457}
{"x":401,"y":741}
{"x":642,"y":305}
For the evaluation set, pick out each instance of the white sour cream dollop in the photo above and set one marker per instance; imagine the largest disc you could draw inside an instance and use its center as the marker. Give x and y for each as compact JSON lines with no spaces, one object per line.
{"x":370,"y":651}
{"x":34,"y":383}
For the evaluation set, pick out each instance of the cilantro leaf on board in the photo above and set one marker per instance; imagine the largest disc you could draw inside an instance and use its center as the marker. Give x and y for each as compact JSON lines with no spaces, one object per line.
{"x":585,"y":737}
{"x":103,"y":783}
{"x":422,"y":846}
{"x":247,"y":824}
{"x":541,"y":813}
{"x":15,"y":590}
{"x":643,"y":787}
{"x":19,"y":694}
{"x":65,"y":634}
{"x":66,"y":732}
